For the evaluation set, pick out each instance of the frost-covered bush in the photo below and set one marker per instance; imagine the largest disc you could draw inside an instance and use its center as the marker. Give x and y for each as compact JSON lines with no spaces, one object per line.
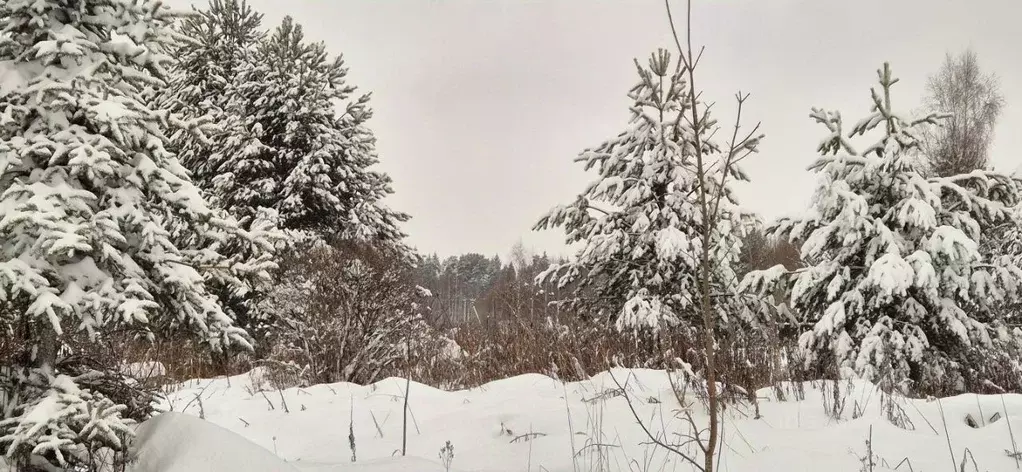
{"x":895,"y":286}
{"x":347,"y":312}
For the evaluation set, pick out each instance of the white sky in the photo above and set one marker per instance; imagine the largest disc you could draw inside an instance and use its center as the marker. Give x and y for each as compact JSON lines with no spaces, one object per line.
{"x":480,"y":106}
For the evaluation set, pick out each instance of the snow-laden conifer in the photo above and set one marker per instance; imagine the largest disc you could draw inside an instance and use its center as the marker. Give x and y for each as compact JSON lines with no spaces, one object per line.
{"x":100,"y":226}
{"x":297,"y":155}
{"x":638,"y":226}
{"x":219,"y":43}
{"x":896,"y":288}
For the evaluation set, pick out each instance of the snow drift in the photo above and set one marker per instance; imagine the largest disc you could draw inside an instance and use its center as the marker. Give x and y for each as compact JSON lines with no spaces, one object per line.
{"x":533,"y":422}
{"x":176,"y":442}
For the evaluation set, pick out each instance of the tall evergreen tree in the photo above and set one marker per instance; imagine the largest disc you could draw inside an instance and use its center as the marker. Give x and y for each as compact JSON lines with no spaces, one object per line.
{"x":219,"y":44}
{"x":299,"y":157}
{"x":895,"y":286}
{"x":639,"y":223}
{"x":94,"y":213}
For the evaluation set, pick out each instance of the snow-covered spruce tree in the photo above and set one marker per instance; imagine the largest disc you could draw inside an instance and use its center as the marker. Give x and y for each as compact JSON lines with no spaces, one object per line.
{"x":93,"y":212}
{"x":298,"y":156}
{"x":895,"y":288}
{"x":639,"y":224}
{"x":220,"y":41}
{"x":1005,"y":240}
{"x":280,"y":146}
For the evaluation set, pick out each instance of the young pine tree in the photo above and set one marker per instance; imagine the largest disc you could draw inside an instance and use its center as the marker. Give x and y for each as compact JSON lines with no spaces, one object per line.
{"x":640,"y":223}
{"x":94,"y":213}
{"x":895,"y":287}
{"x":661,"y":244}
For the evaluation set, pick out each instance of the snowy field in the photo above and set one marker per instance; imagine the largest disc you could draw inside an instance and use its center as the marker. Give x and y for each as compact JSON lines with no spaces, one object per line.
{"x":535,"y":423}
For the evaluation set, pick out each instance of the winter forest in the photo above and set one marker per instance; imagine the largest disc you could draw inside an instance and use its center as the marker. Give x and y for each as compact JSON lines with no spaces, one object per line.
{"x":202,"y":268}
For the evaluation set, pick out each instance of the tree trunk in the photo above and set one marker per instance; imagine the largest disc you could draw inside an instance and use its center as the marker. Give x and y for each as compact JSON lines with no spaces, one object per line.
{"x":46,"y":347}
{"x":221,"y":361}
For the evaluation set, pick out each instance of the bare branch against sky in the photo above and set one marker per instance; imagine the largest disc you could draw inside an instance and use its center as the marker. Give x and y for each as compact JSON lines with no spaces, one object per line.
{"x":481,"y":106}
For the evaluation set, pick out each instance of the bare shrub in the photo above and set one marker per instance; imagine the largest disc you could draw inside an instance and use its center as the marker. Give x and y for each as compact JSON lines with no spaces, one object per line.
{"x":571,"y":350}
{"x":347,"y":312}
{"x":576,"y":348}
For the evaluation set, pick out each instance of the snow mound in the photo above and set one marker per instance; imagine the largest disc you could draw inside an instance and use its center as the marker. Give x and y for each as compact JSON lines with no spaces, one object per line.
{"x":177,"y":442}
{"x":534,"y":422}
{"x":390,"y":464}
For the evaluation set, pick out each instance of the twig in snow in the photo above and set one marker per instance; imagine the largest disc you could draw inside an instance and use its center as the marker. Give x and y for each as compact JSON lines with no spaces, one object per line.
{"x":907,"y":462}
{"x":351,"y":428}
{"x":268,"y":402}
{"x":946,"y":434}
{"x":980,"y":407}
{"x":966,"y":456}
{"x":527,"y":437}
{"x":415,"y":421}
{"x":404,"y":424}
{"x":571,"y":429}
{"x":655,"y":439}
{"x":377,"y":423}
{"x":283,"y":401}
{"x":596,"y":445}
{"x":202,"y":409}
{"x":921,"y":415}
{"x":1014,"y":445}
{"x":198,"y":396}
{"x":529,"y":466}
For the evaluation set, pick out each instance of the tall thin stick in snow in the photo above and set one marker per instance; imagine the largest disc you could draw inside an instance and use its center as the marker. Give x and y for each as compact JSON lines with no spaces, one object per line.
{"x":283,"y":401}
{"x":1011,"y":434}
{"x":404,"y":423}
{"x":947,"y":435}
{"x":408,"y":385}
{"x":571,"y":429}
{"x":351,"y":427}
{"x":709,"y":337}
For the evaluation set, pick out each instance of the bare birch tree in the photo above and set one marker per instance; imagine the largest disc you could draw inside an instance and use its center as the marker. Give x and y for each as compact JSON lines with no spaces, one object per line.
{"x":973,"y":102}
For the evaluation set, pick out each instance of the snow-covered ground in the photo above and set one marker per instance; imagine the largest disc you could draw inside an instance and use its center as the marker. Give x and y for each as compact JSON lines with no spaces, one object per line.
{"x":535,"y":423}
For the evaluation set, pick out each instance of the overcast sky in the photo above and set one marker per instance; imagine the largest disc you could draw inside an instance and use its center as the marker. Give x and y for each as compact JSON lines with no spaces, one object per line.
{"x":480,"y":106}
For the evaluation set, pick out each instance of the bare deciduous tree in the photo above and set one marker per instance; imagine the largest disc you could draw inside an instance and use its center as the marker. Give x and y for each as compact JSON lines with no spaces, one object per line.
{"x":974,"y":102}
{"x":348,"y":312}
